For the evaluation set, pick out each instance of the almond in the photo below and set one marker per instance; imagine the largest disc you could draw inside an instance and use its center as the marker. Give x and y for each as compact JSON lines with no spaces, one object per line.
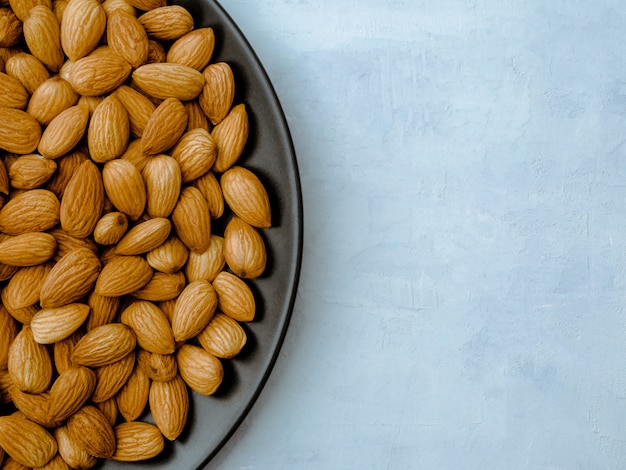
{"x":91,"y":102}
{"x":12,"y":93}
{"x":19,"y":131}
{"x":6,"y":384}
{"x":167,"y":23}
{"x":34,"y":406}
{"x":163,"y":182}
{"x":10,"y":28}
{"x":156,"y":52}
{"x":133,"y":397}
{"x":28,"y":70}
{"x":230,"y":135}
{"x":109,"y":130}
{"x":51,"y":98}
{"x":90,"y":428}
{"x":103,"y":310}
{"x":25,"y":286}
{"x":104,"y":345}
{"x":193,"y":49}
{"x":244,"y":249}
{"x":66,"y":166}
{"x":58,"y":7}
{"x":144,"y":237}
{"x":127,"y":37}
{"x":29,"y":363}
{"x":165,"y":126}
{"x":99,"y":73}
{"x":135,"y":156}
{"x":70,"y":391}
{"x":71,"y":278}
{"x":137,"y":441}
{"x":64,"y":132}
{"x":202,"y":371}
{"x":63,"y":351}
{"x":8,"y":332}
{"x":73,"y":453}
{"x":109,"y":409}
{"x":26,"y":442}
{"x":125,"y":188}
{"x":212,"y":192}
{"x":54,"y":324}
{"x":197,"y":118}
{"x":169,"y":403}
{"x":22,"y":8}
{"x":33,"y":211}
{"x":31,"y":171}
{"x":123,"y":275}
{"x":82,"y":26}
{"x":164,"y":80}
{"x":111,"y":6}
{"x":194,"y":309}
{"x":57,"y":463}
{"x":223,"y":337}
{"x":111,"y":378}
{"x":27,"y":249}
{"x":83,"y":201}
{"x":191,"y":219}
{"x":151,"y":327}
{"x":162,"y":287}
{"x":246,"y":196}
{"x":195,"y":153}
{"x":42,"y":34}
{"x":159,"y":367}
{"x":138,"y":106}
{"x":146,"y":5}
{"x":67,"y":243}
{"x":218,"y":92}
{"x":208,"y":264}
{"x":4,"y":178}
{"x":234,"y":297}
{"x":170,"y":257}
{"x":110,"y":228}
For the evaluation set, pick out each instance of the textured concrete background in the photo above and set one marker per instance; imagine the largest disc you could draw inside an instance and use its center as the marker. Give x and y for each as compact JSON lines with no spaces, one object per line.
{"x":461,"y":306}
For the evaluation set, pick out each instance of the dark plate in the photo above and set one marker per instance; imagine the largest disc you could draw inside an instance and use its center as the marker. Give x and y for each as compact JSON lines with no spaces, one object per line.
{"x":270,"y":154}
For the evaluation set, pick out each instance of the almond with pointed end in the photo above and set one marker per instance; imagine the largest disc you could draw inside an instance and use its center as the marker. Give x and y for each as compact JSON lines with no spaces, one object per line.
{"x":134,"y":155}
{"x":133,"y":397}
{"x":156,"y":52}
{"x":63,"y":351}
{"x":109,"y":409}
{"x":170,"y":257}
{"x":72,"y":451}
{"x":164,"y":80}
{"x":27,"y":249}
{"x":191,"y":219}
{"x":10,"y":28}
{"x":25,"y":441}
{"x":32,"y":211}
{"x":31,"y":171}
{"x":127,"y":38}
{"x":71,"y":278}
{"x":223,"y":337}
{"x":165,"y":127}
{"x":42,"y":34}
{"x":138,"y":106}
{"x":159,"y":367}
{"x":151,"y":327}
{"x":51,"y":98}
{"x":123,"y":275}
{"x":109,"y":129}
{"x":111,"y":378}
{"x":103,"y":310}
{"x":234,"y":297}
{"x":110,"y":228}
{"x":193,"y":49}
{"x":212,"y":192}
{"x":167,"y":23}
{"x":104,"y":345}
{"x":194,"y":309}
{"x":28,"y":70}
{"x":82,"y":27}
{"x":202,"y":371}
{"x":99,"y":73}
{"x":23,"y":289}
{"x":111,"y":6}
{"x":197,"y":118}
{"x":29,"y":363}
{"x":50,"y":325}
{"x":195,"y":153}
{"x":207,"y":264}
{"x":218,"y":92}
{"x":137,"y":441}
{"x":21,"y":8}
{"x":246,"y":196}
{"x":83,"y":201}
{"x":70,"y":391}
{"x":230,"y":135}
{"x":163,"y":182}
{"x":169,"y":403}
{"x":34,"y":406}
{"x":144,"y":237}
{"x":19,"y":131}
{"x":91,"y":429}
{"x":64,"y":132}
{"x":12,"y":93}
{"x":244,"y":249}
{"x":124,"y":187}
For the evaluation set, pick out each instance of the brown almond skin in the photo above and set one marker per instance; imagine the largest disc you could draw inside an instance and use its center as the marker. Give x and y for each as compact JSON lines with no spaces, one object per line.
{"x":12,"y":93}
{"x":19,"y":131}
{"x":71,"y":278}
{"x":169,"y":403}
{"x":210,"y":188}
{"x":72,"y":451}
{"x":127,"y":37}
{"x":26,"y":442}
{"x":202,"y":371}
{"x":163,"y":182}
{"x":170,"y":257}
{"x":99,"y":73}
{"x":165,"y":127}
{"x":66,"y":243}
{"x":50,"y":325}
{"x":33,"y":211}
{"x":29,"y":363}
{"x":82,"y":27}
{"x":109,"y":130}
{"x":146,"y":5}
{"x":42,"y":33}
{"x":193,"y":310}
{"x":223,"y":337}
{"x":111,"y":378}
{"x":162,"y":286}
{"x":63,"y":351}
{"x":246,"y":196}
{"x":159,"y":367}
{"x":234,"y":297}
{"x":31,"y":171}
{"x":27,"y":249}
{"x":125,"y":187}
{"x":29,"y":70}
{"x":34,"y":406}
{"x":104,"y":345}
{"x":137,"y":441}
{"x":109,"y":410}
{"x":123,"y":275}
{"x":25,"y":286}
{"x":133,"y":397}
{"x":153,"y":331}
{"x":244,"y":249}
{"x":103,"y":310}
{"x":197,"y":118}
{"x":83,"y":201}
{"x":167,"y":23}
{"x":218,"y":92}
{"x":110,"y":228}
{"x":91,"y":429}
{"x":195,"y":153}
{"x":144,"y":237}
{"x":191,"y":219}
{"x":8,"y":332}
{"x":50,"y":98}
{"x":164,"y":80}
{"x":66,"y":166}
{"x":21,"y":8}
{"x":194,"y":49}
{"x":64,"y":132}
{"x":230,"y":135}
{"x":10,"y":28}
{"x":70,"y":391}
{"x":138,"y":106}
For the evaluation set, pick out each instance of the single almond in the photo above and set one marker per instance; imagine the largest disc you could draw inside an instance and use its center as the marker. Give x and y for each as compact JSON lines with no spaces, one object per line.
{"x":23,"y":289}
{"x":124,"y":187}
{"x":99,"y":73}
{"x":112,"y":377}
{"x":167,"y":23}
{"x":12,"y":92}
{"x":19,"y":131}
{"x":135,"y":156}
{"x":70,"y":391}
{"x":109,"y":130}
{"x":110,"y":228}
{"x":72,"y":452}
{"x":53,"y":324}
{"x":72,"y":277}
{"x":207,"y":264}
{"x":169,"y":404}
{"x":127,"y":37}
{"x":104,"y":345}
{"x":194,"y":309}
{"x":151,"y":327}
{"x":103,"y":310}
{"x":138,"y":106}
{"x":246,"y":196}
{"x":212,"y":192}
{"x":32,"y":211}
{"x":111,"y":6}
{"x":197,"y":118}
{"x":146,"y":5}
{"x":137,"y":441}
{"x":244,"y":249}
{"x":90,"y":428}
{"x":165,"y":80}
{"x":28,"y":70}
{"x":191,"y":219}
{"x":133,"y":397}
{"x":194,"y":49}
{"x":218,"y":92}
{"x":170,"y":257}
{"x":82,"y":27}
{"x":224,"y":337}
{"x":42,"y":34}
{"x":34,"y":406}
{"x":230,"y":135}
{"x":25,"y":441}
{"x":234,"y":297}
{"x":31,"y":171}
{"x":27,"y":249}
{"x":165,"y":127}
{"x":163,"y":182}
{"x":159,"y":367}
{"x":66,"y":166}
{"x":195,"y":153}
{"x":202,"y":371}
{"x":123,"y":275}
{"x":50,"y":98}
{"x":29,"y":363}
{"x":83,"y":201}
{"x":162,"y":287}
{"x":10,"y":28}
{"x":144,"y":237}
{"x":109,"y":409}
{"x":64,"y":132}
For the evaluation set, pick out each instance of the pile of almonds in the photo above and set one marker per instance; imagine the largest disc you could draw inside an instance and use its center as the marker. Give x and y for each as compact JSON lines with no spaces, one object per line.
{"x":119,"y":143}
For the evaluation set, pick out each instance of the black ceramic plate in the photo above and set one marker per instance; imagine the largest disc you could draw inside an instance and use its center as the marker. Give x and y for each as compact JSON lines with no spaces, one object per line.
{"x":269,"y":153}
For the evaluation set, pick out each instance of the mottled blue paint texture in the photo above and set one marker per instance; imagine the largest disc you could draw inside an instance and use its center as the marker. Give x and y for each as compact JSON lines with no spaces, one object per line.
{"x":462,"y":302}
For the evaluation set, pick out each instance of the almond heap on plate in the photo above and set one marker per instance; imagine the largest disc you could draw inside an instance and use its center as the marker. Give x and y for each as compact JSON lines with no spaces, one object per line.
{"x":119,"y":147}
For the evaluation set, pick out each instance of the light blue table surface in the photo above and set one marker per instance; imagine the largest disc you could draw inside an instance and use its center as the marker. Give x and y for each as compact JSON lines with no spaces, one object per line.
{"x":462,"y":300}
